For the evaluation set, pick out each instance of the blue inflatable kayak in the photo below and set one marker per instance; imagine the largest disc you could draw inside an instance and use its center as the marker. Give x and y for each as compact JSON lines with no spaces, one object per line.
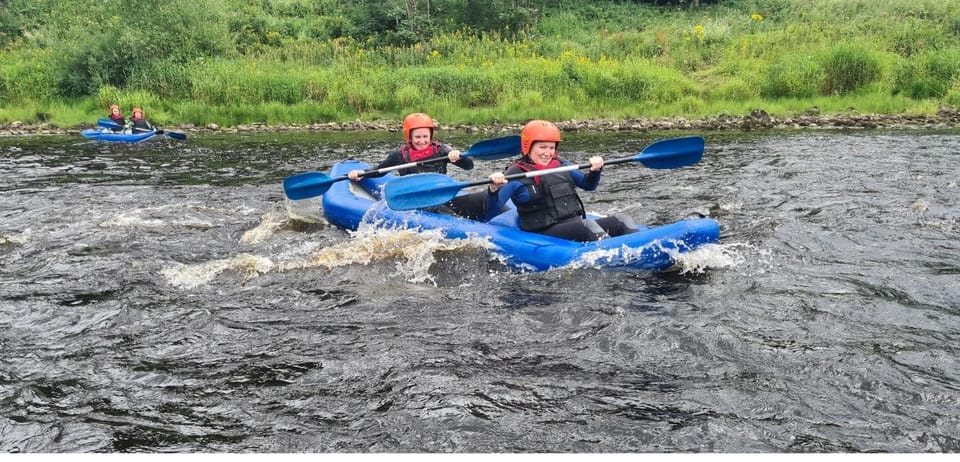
{"x":346,"y":204}
{"x":107,"y":135}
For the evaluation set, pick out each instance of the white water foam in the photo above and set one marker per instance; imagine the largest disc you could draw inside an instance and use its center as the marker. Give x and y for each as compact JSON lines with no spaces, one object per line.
{"x":270,"y":223}
{"x":708,"y":256}
{"x":157,"y":217}
{"x":191,"y":276}
{"x":15,"y":239}
{"x":414,"y":251}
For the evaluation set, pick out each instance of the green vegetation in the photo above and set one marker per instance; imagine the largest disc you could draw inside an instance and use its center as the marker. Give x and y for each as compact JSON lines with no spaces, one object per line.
{"x":469,"y":61}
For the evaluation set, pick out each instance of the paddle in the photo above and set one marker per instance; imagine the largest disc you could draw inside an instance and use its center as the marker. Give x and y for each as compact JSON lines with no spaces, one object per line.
{"x":430,"y":189}
{"x":312,"y":184}
{"x":174,"y":135}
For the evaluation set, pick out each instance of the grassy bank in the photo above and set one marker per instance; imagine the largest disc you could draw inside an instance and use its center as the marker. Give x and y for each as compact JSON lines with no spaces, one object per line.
{"x":604,"y":60}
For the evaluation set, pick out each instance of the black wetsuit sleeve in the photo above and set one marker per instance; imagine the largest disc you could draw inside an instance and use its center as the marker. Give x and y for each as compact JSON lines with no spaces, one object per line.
{"x":393,"y":158}
{"x":465,"y":163}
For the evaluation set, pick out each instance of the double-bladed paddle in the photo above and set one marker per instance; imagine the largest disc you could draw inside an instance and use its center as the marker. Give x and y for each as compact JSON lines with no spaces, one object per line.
{"x":312,"y":184}
{"x":107,"y":123}
{"x":430,"y":189}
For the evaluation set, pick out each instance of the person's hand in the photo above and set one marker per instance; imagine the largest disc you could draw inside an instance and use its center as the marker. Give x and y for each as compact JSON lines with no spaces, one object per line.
{"x":354,"y":175}
{"x":596,"y":163}
{"x":497,"y":180}
{"x":454,"y":155}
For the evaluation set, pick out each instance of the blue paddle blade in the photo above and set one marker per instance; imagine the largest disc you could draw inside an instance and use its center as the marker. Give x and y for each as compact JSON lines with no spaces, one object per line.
{"x":672,"y":153}
{"x":176,"y":135}
{"x":306,"y":185}
{"x":107,"y":123}
{"x":421,"y":190}
{"x":495,"y":149}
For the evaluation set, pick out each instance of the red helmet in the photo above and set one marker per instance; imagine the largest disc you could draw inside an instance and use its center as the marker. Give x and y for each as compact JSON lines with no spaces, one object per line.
{"x":137,"y":113}
{"x":417,"y":120}
{"x":537,"y":130}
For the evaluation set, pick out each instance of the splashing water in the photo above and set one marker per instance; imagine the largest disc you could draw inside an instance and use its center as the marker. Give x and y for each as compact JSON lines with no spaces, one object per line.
{"x":191,"y":276}
{"x":709,"y":256}
{"x":413,"y":250}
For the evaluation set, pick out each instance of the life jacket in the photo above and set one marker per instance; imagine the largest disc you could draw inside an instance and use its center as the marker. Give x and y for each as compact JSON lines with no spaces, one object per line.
{"x":552,"y":199}
{"x":138,"y":121}
{"x":432,"y":167}
{"x":141,"y":124}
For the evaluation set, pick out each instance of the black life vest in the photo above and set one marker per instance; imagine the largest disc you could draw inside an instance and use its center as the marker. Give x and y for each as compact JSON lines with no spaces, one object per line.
{"x":553,"y":200}
{"x":141,"y":124}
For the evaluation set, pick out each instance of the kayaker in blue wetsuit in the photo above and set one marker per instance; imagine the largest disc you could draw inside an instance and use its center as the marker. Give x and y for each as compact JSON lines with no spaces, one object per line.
{"x":418,"y":134}
{"x":117,"y":117}
{"x":138,"y":123}
{"x":549,"y":204}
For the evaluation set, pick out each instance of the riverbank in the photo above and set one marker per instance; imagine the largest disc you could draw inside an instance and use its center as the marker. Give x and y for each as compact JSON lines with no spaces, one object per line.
{"x":945,"y":118}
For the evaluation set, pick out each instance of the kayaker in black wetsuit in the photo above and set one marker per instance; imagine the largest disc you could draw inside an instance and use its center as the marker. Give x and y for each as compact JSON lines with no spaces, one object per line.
{"x":418,"y":134}
{"x":117,"y":117}
{"x":138,"y":123}
{"x":549,"y":204}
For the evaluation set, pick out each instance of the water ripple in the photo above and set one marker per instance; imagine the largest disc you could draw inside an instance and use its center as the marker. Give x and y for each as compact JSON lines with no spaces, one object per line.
{"x":166,"y":298}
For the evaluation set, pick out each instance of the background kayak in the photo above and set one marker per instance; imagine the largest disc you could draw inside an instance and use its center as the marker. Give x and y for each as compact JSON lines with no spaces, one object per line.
{"x":100,"y":135}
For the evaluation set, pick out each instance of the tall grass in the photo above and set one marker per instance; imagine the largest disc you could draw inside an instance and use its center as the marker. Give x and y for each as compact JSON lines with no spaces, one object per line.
{"x":596,"y":60}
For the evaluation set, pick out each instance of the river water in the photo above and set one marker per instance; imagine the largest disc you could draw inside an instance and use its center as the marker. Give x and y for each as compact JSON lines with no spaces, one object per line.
{"x":166,"y":297}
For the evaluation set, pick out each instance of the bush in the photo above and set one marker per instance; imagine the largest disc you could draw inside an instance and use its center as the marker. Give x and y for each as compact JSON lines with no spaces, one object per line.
{"x":460,"y":84}
{"x":953,"y":96}
{"x":847,"y":68}
{"x":792,"y":76}
{"x":24,"y":76}
{"x":110,"y":46}
{"x":928,"y":75}
{"x":735,"y":89}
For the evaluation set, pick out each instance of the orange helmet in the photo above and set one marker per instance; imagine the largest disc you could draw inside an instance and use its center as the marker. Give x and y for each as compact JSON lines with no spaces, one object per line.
{"x":537,"y":130}
{"x":137,"y":113}
{"x":417,"y":120}
{"x":114,"y":106}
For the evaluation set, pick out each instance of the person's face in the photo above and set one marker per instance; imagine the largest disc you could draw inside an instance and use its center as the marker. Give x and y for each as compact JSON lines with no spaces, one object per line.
{"x":420,"y":138}
{"x":542,"y":152}
{"x":115,"y":111}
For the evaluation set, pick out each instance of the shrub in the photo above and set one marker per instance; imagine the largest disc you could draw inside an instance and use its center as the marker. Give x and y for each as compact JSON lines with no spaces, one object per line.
{"x":928,"y":75}
{"x":847,"y":68}
{"x":735,"y":89}
{"x":24,"y":76}
{"x":792,"y":76}
{"x":953,"y":96}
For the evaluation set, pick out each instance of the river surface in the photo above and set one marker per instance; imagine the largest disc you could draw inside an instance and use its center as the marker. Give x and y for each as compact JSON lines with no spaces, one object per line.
{"x":166,"y":297}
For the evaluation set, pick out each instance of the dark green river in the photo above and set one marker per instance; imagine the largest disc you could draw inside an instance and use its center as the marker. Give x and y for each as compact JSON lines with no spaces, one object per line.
{"x":166,"y":297}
